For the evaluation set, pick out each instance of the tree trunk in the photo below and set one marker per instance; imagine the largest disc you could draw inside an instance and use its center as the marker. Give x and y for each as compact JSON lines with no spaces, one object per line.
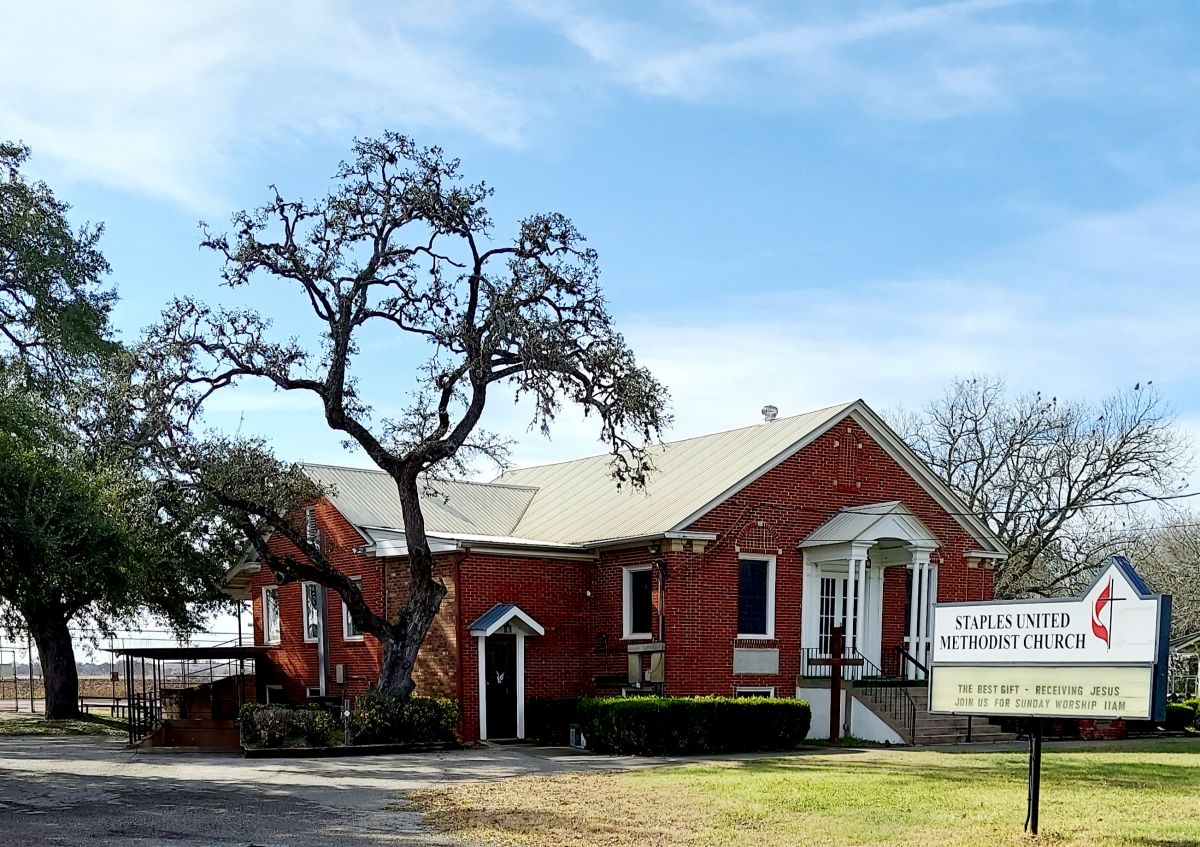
{"x":425,"y":595}
{"x":57,"y":654}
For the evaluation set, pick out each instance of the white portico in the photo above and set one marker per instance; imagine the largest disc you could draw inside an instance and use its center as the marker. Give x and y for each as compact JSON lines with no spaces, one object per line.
{"x":844,"y":563}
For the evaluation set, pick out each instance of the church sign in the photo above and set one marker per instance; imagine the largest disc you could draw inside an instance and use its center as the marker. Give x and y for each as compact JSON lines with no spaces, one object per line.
{"x":1101,"y":656}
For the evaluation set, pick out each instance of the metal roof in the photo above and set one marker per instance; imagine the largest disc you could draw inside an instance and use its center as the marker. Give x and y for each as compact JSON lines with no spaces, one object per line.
{"x":578,"y":501}
{"x":870,"y":523}
{"x":500,"y":614}
{"x":1183,"y":642}
{"x":367,"y":498}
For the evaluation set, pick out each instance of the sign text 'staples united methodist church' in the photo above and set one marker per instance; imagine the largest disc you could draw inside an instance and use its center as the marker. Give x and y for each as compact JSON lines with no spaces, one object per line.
{"x":1102,"y":655}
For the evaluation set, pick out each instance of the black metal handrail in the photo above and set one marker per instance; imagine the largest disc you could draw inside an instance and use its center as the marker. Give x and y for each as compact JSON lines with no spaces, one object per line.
{"x":889,"y":693}
{"x":849,"y":672}
{"x":909,"y":659}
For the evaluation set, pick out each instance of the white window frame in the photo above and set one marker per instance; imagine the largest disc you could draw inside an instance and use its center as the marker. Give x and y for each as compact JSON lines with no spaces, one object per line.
{"x":627,"y":633}
{"x":271,"y":589}
{"x":770,"y":560}
{"x":754,"y":691}
{"x":346,"y":635}
{"x":304,"y":621}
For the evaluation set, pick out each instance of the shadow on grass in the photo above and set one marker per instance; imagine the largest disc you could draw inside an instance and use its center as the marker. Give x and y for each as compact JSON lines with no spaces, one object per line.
{"x":1115,"y":770}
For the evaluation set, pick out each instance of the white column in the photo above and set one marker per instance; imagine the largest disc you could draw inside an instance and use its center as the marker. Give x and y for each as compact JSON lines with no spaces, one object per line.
{"x":923,"y":625}
{"x":920,"y":566}
{"x":481,"y":641}
{"x":852,"y":596}
{"x":931,"y":592}
{"x":860,"y":603}
{"x":913,"y":607}
{"x":520,"y":685}
{"x":864,"y":600}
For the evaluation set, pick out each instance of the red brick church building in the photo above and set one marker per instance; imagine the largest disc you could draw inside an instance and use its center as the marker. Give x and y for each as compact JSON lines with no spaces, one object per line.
{"x":724,"y":576}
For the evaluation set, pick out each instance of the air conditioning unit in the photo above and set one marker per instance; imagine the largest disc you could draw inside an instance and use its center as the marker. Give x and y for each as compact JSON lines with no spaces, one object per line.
{"x":639,"y":691}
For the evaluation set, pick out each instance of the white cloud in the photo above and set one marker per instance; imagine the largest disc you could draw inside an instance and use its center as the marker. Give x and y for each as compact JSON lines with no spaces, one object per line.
{"x":922,"y":62}
{"x":167,"y":99}
{"x":1095,"y":303}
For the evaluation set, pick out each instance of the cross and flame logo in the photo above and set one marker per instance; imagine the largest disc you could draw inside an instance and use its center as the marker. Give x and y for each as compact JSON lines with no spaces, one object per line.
{"x":1100,"y":628}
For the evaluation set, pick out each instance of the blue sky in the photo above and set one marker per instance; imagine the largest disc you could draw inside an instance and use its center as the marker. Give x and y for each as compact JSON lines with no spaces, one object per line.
{"x":794,"y":203}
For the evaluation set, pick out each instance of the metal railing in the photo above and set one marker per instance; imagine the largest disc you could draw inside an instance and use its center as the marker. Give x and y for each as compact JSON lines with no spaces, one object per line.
{"x":905,"y":660}
{"x":849,"y":672}
{"x":890,"y":694}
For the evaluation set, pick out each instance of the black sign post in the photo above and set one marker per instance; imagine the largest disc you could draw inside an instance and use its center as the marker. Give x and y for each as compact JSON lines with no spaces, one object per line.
{"x":1035,"y":776}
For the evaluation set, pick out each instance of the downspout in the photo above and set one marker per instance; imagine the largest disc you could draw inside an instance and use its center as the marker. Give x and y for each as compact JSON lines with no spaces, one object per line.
{"x":661,"y":563}
{"x":460,"y":633}
{"x":323,"y":641}
{"x":662,"y":620}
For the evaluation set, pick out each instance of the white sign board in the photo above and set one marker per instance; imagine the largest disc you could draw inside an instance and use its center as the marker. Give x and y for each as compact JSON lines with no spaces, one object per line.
{"x":1099,"y":656}
{"x":1119,"y":691}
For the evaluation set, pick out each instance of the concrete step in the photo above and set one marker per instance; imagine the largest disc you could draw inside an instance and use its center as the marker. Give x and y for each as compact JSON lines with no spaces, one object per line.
{"x":206,"y":733}
{"x":931,"y":729}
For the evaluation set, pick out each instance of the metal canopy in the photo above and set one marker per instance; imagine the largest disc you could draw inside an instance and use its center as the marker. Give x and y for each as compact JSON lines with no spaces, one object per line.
{"x":502,"y":614}
{"x":199,"y":653}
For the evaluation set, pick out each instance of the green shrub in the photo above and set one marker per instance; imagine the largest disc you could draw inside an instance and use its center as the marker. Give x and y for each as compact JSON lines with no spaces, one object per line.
{"x":660,"y":726}
{"x":380,"y":718}
{"x":1180,"y":716}
{"x":286,"y":726}
{"x":548,"y":719}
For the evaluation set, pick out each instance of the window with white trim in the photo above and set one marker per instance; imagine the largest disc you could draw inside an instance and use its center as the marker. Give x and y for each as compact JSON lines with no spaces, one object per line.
{"x":756,"y":597}
{"x":764,"y":691}
{"x":311,"y":611}
{"x":270,"y":599}
{"x":350,"y":632}
{"x":637,"y":602}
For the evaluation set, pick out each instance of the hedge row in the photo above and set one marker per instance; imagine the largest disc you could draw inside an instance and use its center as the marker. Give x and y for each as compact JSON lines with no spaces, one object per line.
{"x":272,"y":725}
{"x":1183,"y":715}
{"x":661,"y":726}
{"x":376,"y":718}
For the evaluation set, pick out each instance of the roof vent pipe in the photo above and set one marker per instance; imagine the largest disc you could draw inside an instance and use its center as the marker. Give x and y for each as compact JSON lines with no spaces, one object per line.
{"x":769,"y":413}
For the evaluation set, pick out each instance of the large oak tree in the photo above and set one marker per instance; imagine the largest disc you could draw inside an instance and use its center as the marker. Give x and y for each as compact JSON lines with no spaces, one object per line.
{"x":89,"y":539}
{"x":401,"y":249}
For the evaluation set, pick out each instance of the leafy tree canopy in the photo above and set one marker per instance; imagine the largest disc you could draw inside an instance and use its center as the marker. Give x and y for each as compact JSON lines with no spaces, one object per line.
{"x":53,"y":306}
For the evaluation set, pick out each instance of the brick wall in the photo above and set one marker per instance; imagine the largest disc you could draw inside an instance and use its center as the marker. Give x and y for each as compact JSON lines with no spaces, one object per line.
{"x":437,"y":670}
{"x":553,"y":593}
{"x":293,"y":662}
{"x":580,"y":602}
{"x":842,"y":468}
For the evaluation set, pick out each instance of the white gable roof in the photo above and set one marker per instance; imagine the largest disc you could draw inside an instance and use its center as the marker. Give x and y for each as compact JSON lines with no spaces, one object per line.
{"x":871,"y":523}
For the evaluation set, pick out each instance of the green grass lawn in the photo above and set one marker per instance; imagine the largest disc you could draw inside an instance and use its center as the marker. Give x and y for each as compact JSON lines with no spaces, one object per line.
{"x":1120,"y":794}
{"x":14,"y":724}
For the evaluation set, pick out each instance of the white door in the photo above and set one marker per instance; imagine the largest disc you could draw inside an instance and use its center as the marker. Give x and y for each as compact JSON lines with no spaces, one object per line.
{"x":837,"y":607}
